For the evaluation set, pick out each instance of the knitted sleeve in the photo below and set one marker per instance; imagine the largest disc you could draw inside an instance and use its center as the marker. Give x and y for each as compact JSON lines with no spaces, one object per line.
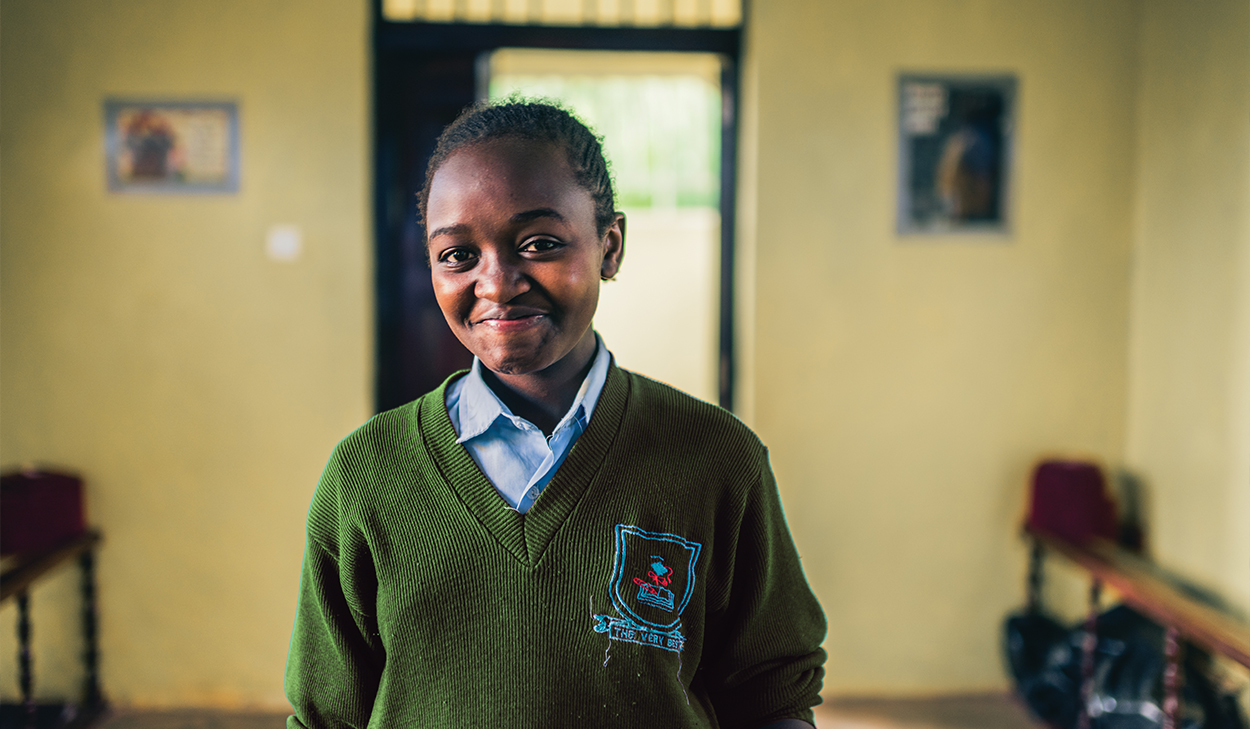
{"x":769,"y":664}
{"x":336,"y":658}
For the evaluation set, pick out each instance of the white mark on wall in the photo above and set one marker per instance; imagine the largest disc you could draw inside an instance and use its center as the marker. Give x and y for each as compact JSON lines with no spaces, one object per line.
{"x":284,"y":243}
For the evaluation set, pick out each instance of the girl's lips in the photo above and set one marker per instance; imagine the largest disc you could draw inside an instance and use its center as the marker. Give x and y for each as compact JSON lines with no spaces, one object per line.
{"x":512,"y":324}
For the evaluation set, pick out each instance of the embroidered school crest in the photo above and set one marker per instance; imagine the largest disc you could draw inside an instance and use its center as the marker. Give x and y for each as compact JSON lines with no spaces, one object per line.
{"x":653,"y":578}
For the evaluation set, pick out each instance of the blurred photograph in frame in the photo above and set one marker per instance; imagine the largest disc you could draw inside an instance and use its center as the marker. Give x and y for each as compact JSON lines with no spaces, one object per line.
{"x":175,"y":147}
{"x":955,"y":143}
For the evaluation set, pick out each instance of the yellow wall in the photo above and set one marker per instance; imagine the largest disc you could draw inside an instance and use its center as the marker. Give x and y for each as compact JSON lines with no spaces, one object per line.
{"x":906,"y":385}
{"x":149,"y":342}
{"x":1189,"y":406}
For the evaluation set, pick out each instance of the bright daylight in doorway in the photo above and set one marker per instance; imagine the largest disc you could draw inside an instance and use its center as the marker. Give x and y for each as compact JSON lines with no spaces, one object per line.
{"x":660,"y":114}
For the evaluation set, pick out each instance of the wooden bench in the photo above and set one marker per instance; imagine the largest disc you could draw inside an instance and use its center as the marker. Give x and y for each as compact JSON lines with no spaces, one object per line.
{"x":22,"y":571}
{"x":1144,"y":587}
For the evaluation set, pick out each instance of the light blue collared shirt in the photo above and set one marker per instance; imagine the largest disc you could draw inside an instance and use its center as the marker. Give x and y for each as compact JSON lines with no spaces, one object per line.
{"x":513,"y":453}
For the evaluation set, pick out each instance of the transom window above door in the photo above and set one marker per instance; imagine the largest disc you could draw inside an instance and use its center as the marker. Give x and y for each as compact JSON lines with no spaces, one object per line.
{"x":601,"y":13}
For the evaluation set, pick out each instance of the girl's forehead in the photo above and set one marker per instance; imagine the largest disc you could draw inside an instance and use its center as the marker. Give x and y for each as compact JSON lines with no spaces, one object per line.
{"x":504,"y":169}
{"x":510,"y":153}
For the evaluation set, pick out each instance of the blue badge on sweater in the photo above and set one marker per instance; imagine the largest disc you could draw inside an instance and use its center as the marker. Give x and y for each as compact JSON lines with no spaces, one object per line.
{"x":652,"y":581}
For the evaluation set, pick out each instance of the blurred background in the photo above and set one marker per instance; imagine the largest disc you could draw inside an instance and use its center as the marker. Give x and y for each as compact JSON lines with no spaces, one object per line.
{"x":906,"y":384}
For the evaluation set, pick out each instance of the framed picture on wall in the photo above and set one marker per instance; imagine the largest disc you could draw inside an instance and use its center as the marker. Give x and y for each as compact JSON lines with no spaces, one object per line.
{"x":172,"y":146}
{"x":955,"y":140}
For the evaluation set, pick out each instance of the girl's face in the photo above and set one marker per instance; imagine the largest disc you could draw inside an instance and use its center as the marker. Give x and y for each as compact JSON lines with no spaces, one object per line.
{"x":515,"y":256}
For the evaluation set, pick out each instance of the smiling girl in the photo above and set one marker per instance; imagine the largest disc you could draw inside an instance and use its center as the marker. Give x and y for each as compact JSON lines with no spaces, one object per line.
{"x":546,"y":540}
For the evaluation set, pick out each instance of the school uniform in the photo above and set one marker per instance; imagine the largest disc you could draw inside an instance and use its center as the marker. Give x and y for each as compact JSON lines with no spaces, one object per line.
{"x":646,"y":579}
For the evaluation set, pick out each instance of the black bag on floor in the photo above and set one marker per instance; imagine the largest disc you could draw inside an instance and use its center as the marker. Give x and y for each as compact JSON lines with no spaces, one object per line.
{"x":1045,"y":659}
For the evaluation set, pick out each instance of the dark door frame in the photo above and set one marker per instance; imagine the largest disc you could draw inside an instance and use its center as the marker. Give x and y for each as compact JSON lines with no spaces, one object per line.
{"x":395,"y":44}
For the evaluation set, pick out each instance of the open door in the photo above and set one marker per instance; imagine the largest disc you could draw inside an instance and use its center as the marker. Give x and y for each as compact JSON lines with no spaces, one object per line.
{"x":660,"y":117}
{"x":679,"y":246}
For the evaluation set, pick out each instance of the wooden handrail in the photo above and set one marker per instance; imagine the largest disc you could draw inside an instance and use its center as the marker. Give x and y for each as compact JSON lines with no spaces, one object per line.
{"x":31,"y":567}
{"x":1140,"y":584}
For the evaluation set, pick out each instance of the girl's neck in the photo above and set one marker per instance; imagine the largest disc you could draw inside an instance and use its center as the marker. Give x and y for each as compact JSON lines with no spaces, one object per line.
{"x":544,"y":397}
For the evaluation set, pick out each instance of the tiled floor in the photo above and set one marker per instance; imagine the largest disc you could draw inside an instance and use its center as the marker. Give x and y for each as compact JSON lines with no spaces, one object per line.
{"x":981,"y":711}
{"x":192,"y":719}
{"x":955,"y":712}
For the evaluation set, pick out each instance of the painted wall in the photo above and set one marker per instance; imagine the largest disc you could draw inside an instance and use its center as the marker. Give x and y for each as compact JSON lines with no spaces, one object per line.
{"x":1189,"y":404}
{"x":907,"y":385}
{"x":149,"y":342}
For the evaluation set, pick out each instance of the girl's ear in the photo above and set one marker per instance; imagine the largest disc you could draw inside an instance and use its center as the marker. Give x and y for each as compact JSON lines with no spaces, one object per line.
{"x":613,"y":248}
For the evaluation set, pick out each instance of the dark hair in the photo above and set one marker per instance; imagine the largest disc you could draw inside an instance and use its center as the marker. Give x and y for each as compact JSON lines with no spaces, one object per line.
{"x":537,"y":120}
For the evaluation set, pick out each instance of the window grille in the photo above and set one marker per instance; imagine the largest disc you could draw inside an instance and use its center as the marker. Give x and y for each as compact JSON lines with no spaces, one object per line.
{"x":595,"y":13}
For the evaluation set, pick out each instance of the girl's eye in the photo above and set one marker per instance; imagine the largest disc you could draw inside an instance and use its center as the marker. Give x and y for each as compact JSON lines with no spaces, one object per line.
{"x":540,"y":245}
{"x":456,"y":256}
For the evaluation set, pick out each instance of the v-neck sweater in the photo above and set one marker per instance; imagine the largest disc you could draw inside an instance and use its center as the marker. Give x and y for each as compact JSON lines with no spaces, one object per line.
{"x":653,"y":583}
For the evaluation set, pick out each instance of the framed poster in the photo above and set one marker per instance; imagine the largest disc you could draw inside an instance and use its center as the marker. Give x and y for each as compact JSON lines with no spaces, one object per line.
{"x":955,"y":140}
{"x":172,"y":146}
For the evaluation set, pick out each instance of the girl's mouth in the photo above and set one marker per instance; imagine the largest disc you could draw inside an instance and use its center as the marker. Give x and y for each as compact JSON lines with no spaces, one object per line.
{"x":512,"y":319}
{"x":512,"y":324}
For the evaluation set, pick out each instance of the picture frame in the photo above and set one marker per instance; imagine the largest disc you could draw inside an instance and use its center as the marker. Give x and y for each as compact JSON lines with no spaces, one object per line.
{"x":172,"y":146}
{"x":956,"y":134}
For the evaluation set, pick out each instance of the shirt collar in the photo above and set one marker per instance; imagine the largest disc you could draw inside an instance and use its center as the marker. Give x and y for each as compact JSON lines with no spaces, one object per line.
{"x":479,"y":407}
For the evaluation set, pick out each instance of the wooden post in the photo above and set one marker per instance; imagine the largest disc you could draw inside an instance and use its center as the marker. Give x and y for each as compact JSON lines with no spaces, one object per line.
{"x":1037,"y":557}
{"x":91,"y":646}
{"x":1088,"y":647}
{"x":1172,"y":679}
{"x":25,"y":678}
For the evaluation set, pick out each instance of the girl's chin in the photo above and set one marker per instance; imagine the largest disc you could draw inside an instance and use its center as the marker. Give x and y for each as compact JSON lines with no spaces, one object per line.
{"x":524,"y":355}
{"x":514,"y":363}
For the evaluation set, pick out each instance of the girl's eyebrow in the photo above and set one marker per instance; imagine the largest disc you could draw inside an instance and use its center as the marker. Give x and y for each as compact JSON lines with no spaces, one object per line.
{"x":449,"y":230}
{"x":523,"y":217}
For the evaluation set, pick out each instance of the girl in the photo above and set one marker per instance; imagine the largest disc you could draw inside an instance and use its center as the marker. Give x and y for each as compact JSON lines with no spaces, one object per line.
{"x":546,"y":540}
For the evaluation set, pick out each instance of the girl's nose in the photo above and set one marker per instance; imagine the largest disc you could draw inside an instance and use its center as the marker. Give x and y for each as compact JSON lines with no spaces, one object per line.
{"x":499,"y":280}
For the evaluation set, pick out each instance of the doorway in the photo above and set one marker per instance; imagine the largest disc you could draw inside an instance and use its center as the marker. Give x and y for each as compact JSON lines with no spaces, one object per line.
{"x":660,"y":117}
{"x":679,"y":264}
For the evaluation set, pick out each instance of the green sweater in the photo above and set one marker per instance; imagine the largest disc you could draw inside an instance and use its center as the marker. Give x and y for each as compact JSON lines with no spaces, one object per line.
{"x":653,"y":584}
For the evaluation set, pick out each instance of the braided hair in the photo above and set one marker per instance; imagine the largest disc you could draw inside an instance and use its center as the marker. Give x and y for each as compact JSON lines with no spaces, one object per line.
{"x":534,"y":120}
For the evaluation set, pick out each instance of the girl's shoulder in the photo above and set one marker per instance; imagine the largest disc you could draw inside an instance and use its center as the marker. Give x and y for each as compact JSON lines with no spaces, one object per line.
{"x":392,"y":443}
{"x":672,"y":413}
{"x":398,"y":430}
